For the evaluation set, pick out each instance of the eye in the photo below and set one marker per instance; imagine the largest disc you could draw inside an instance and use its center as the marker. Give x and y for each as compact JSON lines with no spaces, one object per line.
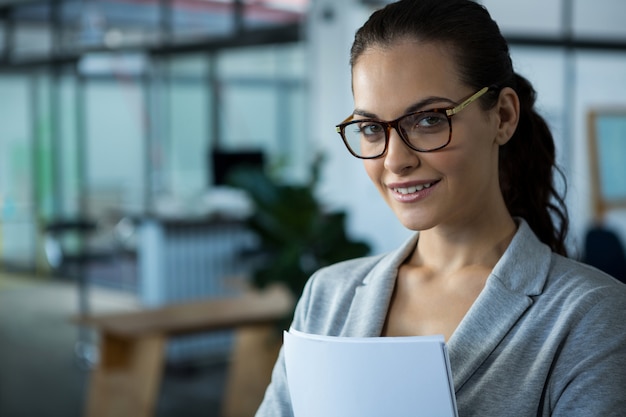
{"x":430,"y":119}
{"x":424,"y":121}
{"x":370,"y":129}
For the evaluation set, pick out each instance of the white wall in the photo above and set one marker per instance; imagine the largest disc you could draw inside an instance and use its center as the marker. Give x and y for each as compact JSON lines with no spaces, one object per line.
{"x":567,"y":85}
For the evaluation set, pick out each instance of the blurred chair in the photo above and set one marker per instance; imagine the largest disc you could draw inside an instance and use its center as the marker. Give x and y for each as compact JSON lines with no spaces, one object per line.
{"x":604,"y":250}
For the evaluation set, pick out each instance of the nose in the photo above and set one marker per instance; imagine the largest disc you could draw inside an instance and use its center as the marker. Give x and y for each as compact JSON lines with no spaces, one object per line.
{"x":399,"y":157}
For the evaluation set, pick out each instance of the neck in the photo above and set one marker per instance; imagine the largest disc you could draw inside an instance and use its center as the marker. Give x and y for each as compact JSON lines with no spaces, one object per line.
{"x":446,"y":249}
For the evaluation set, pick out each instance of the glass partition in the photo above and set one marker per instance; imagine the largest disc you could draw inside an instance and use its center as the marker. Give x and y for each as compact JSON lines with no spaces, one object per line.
{"x":32,"y":35}
{"x":263,"y":104}
{"x":67,"y":153}
{"x":115,"y":130}
{"x":17,"y":222}
{"x":189,"y":113}
{"x":44,"y":147}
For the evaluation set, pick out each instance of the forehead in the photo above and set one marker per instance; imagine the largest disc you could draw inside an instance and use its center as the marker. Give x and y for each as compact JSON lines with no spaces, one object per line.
{"x":389,"y":78}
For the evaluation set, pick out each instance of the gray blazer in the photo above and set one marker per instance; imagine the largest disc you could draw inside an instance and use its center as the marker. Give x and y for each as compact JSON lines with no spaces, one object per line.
{"x":546,"y":336}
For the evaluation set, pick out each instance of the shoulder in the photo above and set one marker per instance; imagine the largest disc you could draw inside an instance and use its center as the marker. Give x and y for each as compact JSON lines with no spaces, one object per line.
{"x":582,"y":285}
{"x":563,"y":291}
{"x":583,"y":305}
{"x":529,"y":266}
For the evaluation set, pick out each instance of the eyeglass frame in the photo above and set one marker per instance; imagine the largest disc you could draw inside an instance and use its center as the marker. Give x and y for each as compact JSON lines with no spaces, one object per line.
{"x":449,"y":112}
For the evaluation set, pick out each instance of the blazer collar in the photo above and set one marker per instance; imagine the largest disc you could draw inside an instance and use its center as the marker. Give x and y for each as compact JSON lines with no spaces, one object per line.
{"x":519,"y":275}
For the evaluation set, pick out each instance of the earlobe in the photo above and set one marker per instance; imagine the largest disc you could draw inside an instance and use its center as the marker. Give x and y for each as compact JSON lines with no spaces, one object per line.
{"x":508,"y":111}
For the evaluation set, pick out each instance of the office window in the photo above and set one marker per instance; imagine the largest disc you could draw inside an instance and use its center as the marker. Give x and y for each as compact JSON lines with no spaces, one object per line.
{"x":109,"y":23}
{"x":115,"y":129}
{"x":544,"y":68}
{"x":68,"y":156}
{"x":44,"y":146}
{"x":18,"y":228}
{"x":249,"y":116}
{"x":534,"y":18}
{"x":200,"y":18}
{"x":188,"y":132}
{"x":599,"y":19}
{"x":262,"y":96}
{"x":32,"y":35}
{"x":273,"y":13}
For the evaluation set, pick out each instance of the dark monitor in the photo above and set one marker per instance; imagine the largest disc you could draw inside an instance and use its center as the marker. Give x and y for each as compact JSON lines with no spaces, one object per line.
{"x":224,"y":162}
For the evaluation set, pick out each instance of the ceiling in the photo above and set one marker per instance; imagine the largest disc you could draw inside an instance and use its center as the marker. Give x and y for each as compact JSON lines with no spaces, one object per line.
{"x":43,"y":29}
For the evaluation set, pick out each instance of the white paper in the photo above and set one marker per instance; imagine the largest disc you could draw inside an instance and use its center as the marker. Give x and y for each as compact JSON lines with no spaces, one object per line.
{"x":368,"y":376}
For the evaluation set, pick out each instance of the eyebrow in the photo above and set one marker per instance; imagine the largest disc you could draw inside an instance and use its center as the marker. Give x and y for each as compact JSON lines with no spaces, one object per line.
{"x":412,"y":108}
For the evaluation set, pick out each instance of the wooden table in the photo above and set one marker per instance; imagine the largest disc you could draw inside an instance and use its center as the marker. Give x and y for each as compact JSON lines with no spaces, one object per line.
{"x":126,"y":380}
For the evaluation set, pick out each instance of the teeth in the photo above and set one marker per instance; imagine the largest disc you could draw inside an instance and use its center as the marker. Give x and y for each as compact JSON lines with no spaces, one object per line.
{"x":410,"y":190}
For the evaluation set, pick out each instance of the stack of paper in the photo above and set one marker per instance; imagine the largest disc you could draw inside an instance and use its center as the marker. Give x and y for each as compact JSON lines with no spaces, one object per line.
{"x":368,"y":376}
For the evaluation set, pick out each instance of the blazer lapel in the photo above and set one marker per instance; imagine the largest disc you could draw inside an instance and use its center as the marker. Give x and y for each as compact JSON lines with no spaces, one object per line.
{"x":490,"y":318}
{"x":520,"y":274}
{"x":368,"y":311}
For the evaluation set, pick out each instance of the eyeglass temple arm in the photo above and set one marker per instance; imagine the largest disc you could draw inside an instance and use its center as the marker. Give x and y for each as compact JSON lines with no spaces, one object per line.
{"x":338,"y":127}
{"x":463,"y":105}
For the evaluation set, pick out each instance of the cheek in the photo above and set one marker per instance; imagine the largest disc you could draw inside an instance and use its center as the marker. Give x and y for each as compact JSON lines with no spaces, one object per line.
{"x":374,"y":170}
{"x":459,"y":162}
{"x":463,"y":166}
{"x":452,"y":160}
{"x":473,"y":167}
{"x":476,"y":150}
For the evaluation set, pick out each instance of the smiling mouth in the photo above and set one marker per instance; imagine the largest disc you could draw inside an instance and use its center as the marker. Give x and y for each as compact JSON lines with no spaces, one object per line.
{"x":413,"y":189}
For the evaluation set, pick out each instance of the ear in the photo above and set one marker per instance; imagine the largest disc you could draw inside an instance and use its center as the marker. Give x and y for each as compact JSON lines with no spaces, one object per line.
{"x":508,"y":110}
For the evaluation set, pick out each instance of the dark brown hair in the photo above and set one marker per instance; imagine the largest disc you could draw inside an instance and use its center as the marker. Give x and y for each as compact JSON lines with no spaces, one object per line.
{"x":527,"y":162}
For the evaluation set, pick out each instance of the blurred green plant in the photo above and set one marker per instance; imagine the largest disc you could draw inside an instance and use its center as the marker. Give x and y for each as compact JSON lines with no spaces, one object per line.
{"x":297,"y":236}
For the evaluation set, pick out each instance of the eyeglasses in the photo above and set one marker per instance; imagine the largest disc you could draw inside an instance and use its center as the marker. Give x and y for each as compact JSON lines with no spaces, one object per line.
{"x":422,"y":131}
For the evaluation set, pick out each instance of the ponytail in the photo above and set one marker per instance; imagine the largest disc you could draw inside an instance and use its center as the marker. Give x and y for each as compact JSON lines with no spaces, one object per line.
{"x":527,"y":173}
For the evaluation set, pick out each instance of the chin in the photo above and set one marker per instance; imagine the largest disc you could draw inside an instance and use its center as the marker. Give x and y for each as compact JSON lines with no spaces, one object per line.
{"x":414,"y":224}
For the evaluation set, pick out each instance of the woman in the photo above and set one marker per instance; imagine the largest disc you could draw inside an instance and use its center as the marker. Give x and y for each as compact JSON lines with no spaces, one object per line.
{"x":449,"y":136}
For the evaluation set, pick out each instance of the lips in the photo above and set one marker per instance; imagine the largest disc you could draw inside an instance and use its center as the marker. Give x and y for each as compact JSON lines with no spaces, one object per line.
{"x":412,"y":189}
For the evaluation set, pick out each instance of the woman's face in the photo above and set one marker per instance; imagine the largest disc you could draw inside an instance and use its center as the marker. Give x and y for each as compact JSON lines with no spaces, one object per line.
{"x":456,"y":185}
